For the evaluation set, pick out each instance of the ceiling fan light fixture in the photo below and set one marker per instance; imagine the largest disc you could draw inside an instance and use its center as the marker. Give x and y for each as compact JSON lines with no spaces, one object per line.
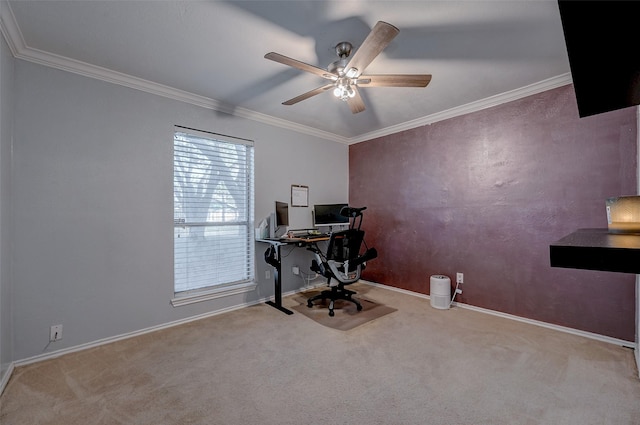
{"x":344,"y":92}
{"x":352,"y":72}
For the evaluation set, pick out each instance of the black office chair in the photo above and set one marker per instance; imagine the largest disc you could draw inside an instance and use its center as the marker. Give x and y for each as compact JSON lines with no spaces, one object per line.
{"x":342,"y":261}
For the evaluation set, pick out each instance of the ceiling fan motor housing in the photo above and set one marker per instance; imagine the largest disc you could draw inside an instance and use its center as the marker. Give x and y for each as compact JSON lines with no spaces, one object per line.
{"x":343,"y":49}
{"x":338,"y":66}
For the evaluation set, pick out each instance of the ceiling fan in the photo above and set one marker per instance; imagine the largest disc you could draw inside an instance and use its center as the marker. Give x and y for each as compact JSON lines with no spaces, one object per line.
{"x":346,"y":74}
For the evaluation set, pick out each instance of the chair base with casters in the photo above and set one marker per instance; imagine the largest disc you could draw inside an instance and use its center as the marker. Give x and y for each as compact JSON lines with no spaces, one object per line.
{"x":334,"y":294}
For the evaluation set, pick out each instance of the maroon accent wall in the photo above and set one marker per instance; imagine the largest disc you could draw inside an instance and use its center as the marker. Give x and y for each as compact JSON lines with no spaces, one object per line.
{"x":486,"y":193}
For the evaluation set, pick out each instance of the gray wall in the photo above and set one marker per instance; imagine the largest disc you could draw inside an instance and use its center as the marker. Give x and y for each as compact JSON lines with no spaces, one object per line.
{"x":6,"y":129}
{"x":92,"y":191}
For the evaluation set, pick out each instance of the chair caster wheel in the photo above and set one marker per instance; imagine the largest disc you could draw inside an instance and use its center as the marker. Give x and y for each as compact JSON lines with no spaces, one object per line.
{"x":331,"y":313}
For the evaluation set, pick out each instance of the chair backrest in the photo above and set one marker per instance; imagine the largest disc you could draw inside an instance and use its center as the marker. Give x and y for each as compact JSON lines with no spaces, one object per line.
{"x":345,"y":245}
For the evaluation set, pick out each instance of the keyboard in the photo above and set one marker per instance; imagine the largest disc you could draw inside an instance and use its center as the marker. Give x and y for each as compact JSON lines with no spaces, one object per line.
{"x":305,"y":236}
{"x":314,"y":236}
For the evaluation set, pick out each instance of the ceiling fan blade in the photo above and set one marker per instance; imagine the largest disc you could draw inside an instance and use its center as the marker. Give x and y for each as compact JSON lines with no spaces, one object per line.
{"x":394,"y":80}
{"x":277,"y":57}
{"x":308,"y":94}
{"x":356,"y":104}
{"x":379,"y":37}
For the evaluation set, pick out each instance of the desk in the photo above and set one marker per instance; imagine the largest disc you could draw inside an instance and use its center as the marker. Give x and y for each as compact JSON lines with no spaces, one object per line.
{"x":275,"y":261}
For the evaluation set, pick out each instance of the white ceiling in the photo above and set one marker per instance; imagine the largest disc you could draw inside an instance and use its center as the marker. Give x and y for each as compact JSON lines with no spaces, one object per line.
{"x":211,"y":53}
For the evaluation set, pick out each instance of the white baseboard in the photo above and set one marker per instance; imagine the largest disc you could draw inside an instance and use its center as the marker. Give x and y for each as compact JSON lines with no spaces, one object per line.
{"x":637,"y":359}
{"x":604,"y":338}
{"x":97,"y":343}
{"x":41,"y":357}
{"x":4,"y":379}
{"x":61,"y":352}
{"x":637,"y":352}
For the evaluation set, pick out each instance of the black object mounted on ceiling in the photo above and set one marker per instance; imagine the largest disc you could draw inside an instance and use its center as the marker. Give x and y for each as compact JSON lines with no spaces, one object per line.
{"x":601,"y":39}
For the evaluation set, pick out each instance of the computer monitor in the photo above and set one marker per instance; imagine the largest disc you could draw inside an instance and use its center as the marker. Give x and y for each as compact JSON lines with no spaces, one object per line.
{"x":329,"y":215}
{"x":282,"y":214}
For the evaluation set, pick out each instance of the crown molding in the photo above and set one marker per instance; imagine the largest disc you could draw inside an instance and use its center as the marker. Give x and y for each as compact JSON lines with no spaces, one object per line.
{"x":20,"y":50}
{"x":114,"y":77}
{"x":9,"y":29}
{"x":548,"y":84}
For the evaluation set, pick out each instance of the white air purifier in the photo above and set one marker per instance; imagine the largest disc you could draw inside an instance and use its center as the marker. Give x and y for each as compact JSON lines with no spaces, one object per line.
{"x":440,"y":292}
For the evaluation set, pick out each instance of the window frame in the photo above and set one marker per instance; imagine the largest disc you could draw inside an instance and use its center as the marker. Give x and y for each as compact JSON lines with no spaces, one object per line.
{"x":217,"y":290}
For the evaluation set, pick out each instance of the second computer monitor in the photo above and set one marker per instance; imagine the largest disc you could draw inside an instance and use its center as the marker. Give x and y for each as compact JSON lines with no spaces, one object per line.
{"x":282,"y":214}
{"x":329,"y":215}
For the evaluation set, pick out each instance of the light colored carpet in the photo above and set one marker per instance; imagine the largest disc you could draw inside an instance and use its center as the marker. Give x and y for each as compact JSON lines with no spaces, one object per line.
{"x":257,"y":365}
{"x":346,"y":315}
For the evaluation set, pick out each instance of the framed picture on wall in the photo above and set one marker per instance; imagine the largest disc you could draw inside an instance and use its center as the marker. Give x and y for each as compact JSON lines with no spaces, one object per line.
{"x":299,"y":195}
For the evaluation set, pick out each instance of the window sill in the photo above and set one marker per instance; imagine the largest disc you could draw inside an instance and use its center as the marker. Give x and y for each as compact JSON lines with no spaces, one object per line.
{"x":210,"y":294}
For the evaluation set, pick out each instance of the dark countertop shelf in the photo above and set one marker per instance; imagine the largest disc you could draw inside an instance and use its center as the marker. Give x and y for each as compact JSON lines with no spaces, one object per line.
{"x":597,"y":249}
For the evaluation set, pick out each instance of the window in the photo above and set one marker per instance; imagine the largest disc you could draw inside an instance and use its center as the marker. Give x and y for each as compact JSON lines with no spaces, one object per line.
{"x":213,"y":211}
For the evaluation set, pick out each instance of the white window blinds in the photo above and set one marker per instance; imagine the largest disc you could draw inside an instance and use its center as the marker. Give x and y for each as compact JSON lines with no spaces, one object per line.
{"x":213,"y":210}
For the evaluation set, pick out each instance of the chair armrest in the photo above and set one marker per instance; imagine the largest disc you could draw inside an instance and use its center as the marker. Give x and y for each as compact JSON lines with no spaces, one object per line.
{"x":370,"y":254}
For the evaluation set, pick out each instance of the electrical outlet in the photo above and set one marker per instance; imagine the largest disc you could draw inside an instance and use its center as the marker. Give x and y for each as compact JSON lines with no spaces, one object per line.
{"x":295,"y":270}
{"x":267,"y":274}
{"x":459,"y":277}
{"x":55,"y":333}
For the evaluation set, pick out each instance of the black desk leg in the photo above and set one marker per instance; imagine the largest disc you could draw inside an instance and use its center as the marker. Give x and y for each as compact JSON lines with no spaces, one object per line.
{"x":277,"y":269}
